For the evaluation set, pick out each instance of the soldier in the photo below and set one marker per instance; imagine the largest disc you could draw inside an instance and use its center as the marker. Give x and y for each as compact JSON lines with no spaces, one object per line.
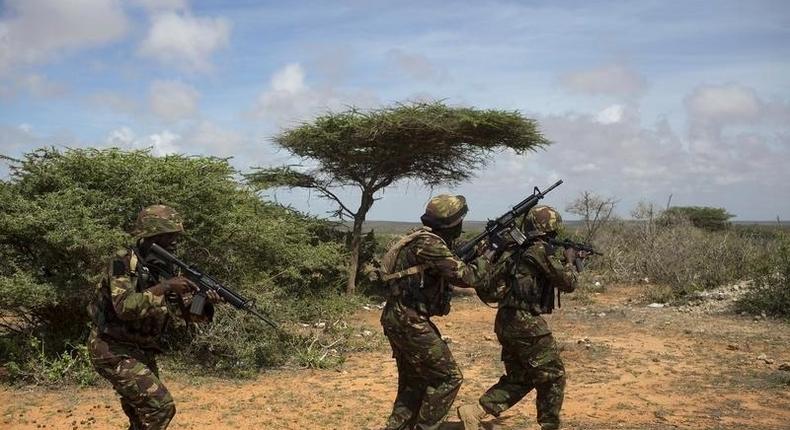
{"x":419,"y":270}
{"x":134,"y":300}
{"x":523,"y":285}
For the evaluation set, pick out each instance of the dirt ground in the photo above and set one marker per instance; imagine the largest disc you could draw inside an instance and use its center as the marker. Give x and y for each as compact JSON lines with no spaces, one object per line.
{"x":629,"y":367}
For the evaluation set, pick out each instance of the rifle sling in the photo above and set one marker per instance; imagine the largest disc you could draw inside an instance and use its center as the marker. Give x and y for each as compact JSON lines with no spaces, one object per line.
{"x":406,"y":272}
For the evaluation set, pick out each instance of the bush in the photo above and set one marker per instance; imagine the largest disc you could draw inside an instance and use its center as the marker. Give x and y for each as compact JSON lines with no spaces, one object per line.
{"x":770,"y":290}
{"x":62,"y":214}
{"x":708,"y":218}
{"x":679,"y":255}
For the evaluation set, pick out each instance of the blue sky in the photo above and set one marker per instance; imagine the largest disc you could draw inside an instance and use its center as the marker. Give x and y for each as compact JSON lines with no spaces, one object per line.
{"x":642,"y":99}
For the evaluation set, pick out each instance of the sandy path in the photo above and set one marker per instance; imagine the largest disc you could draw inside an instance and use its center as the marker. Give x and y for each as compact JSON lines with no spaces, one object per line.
{"x":630,"y":367}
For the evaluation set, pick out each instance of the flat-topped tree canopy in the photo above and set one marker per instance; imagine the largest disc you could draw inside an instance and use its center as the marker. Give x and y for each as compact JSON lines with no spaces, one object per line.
{"x":429,"y":142}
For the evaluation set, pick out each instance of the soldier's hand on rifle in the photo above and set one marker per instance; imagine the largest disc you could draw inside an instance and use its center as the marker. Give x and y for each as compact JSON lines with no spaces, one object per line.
{"x":213,"y":297}
{"x":582,"y":254}
{"x":179,"y":285}
{"x":570,"y":255}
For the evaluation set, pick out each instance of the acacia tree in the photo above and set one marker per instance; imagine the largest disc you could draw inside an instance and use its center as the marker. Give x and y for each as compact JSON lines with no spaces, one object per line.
{"x":431,"y":143}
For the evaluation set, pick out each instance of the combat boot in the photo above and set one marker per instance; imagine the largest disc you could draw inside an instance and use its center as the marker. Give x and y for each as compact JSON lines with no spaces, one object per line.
{"x":470,"y":416}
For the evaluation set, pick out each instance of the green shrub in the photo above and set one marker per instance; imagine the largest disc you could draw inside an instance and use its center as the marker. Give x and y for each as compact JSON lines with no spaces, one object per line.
{"x":703,"y":217}
{"x":62,"y":214}
{"x":679,"y":255}
{"x":770,"y":289}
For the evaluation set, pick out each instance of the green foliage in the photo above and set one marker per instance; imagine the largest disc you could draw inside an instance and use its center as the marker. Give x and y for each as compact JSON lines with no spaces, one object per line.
{"x":431,"y":142}
{"x":63,"y":214}
{"x":675,"y":258}
{"x":770,"y":290}
{"x":704,"y":217}
{"x":428,"y":142}
{"x":71,"y":366}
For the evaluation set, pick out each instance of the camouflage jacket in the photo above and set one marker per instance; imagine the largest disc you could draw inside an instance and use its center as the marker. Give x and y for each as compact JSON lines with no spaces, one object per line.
{"x":521,"y":285}
{"x":124,"y":310}
{"x":427,"y":293}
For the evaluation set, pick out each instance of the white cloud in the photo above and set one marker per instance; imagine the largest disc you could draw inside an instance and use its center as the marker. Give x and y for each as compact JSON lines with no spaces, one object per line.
{"x":610,"y":115}
{"x":36,"y":31}
{"x":159,"y":5}
{"x":185,"y":41}
{"x":611,"y":79}
{"x":173,"y":100}
{"x":164,"y":143}
{"x":728,"y":102}
{"x":290,"y":98}
{"x":210,"y":138}
{"x":289,"y":80}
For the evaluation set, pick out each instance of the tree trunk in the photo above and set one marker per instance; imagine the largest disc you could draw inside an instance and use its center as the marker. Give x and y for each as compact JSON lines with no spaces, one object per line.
{"x":356,"y":240}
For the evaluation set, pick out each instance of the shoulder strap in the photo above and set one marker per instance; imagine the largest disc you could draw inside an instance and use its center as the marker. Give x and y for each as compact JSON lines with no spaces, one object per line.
{"x":390,"y":258}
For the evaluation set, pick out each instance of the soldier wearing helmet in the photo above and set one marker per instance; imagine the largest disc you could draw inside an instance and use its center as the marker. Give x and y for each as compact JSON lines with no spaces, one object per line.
{"x":523,"y":286}
{"x":134,"y":300}
{"x":419,"y":270}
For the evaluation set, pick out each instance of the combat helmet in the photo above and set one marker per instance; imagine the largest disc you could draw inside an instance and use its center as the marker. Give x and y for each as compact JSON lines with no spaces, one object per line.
{"x":444,"y":211}
{"x":157,"y":219}
{"x":541,"y":220}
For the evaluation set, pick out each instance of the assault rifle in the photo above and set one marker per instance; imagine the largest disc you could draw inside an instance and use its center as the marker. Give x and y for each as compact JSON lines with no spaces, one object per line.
{"x":567,"y":243}
{"x":498,"y":227}
{"x":205,"y":283}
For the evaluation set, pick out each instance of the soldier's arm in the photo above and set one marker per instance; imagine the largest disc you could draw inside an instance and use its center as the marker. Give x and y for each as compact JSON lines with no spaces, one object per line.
{"x":559,"y":274}
{"x":495,"y":287}
{"x":127,"y":302}
{"x":438,"y":256}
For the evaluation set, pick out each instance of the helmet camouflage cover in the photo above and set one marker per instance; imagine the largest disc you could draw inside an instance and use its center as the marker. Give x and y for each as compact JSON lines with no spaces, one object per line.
{"x":445,"y":211}
{"x":158,"y":219}
{"x":542,"y":220}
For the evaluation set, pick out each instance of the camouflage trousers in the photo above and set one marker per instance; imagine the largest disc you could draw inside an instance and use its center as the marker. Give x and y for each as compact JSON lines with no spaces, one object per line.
{"x":530,"y":363}
{"x":135,"y":377}
{"x":428,"y":377}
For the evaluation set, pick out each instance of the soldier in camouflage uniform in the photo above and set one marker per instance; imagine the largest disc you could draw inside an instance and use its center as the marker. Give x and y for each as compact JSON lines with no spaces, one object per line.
{"x":134,"y":300}
{"x":523,"y":285}
{"x":419,"y":270}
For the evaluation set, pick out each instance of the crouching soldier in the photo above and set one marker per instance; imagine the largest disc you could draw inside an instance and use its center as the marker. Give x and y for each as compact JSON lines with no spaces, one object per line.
{"x":524,"y":285}
{"x":419,"y":270}
{"x":133,"y":302}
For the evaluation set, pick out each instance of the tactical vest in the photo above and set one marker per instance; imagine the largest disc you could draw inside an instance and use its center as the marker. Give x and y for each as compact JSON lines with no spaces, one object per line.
{"x":428,"y":295}
{"x":143,"y":332}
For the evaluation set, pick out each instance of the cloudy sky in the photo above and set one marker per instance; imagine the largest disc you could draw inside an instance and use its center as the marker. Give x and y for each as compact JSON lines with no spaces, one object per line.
{"x":641,"y":99}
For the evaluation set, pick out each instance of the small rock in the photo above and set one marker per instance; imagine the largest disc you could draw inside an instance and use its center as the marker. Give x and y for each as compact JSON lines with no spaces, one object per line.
{"x":602,"y":314}
{"x":449,"y":324}
{"x":733,"y":347}
{"x":587,"y":346}
{"x":597,"y":283}
{"x":762,"y":357}
{"x":488,"y":337}
{"x":656,"y":305}
{"x":769,"y":361}
{"x":319,"y":325}
{"x":655,"y":359}
{"x":447,"y":339}
{"x":785,"y":367}
{"x":367,"y":333}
